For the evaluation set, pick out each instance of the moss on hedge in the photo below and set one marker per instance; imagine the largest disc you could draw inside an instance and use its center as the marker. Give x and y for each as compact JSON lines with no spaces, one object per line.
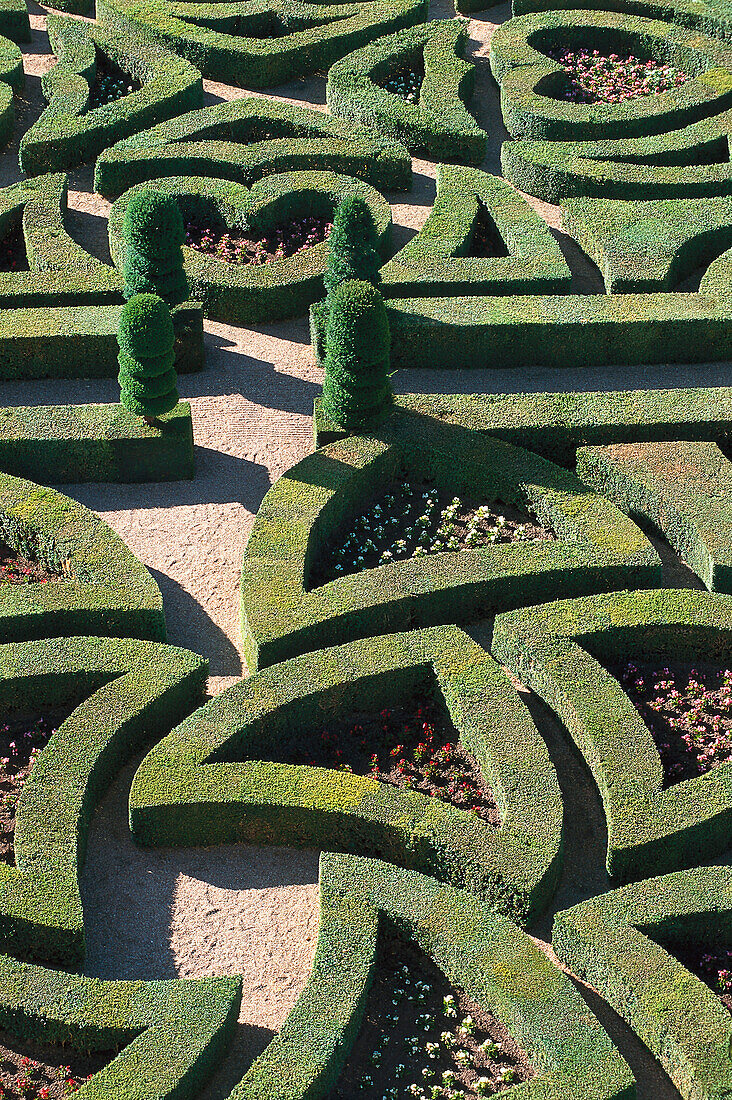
{"x":439,"y":123}
{"x":556,"y":649}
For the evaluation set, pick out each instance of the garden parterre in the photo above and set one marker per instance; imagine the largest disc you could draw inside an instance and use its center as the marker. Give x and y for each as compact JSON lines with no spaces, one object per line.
{"x":403,"y":586}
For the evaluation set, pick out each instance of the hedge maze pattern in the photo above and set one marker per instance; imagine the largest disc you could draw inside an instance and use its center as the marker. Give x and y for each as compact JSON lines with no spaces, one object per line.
{"x":498,"y":634}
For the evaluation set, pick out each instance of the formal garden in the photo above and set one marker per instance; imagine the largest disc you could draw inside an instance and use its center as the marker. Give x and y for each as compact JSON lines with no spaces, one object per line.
{"x":365,"y":550}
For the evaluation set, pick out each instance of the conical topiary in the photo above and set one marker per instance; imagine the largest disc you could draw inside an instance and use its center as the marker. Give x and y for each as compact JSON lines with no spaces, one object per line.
{"x":152,"y":231}
{"x":147,"y":379}
{"x":356,"y":386}
{"x":353,"y":240}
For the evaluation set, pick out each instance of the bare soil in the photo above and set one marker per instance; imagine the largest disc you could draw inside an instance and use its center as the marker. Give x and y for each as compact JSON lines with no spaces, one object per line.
{"x":41,"y":1071}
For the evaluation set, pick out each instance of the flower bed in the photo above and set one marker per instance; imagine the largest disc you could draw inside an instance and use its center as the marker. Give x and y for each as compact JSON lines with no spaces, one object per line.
{"x":110,"y":84}
{"x":33,"y":1071}
{"x":423,"y":1038}
{"x":13,"y":255}
{"x":689,"y":713}
{"x":410,"y":746}
{"x":406,"y":82}
{"x":20,"y":743}
{"x":594,"y":78}
{"x":486,"y":240}
{"x":714,"y":968}
{"x":412,"y":521}
{"x":15,"y":569}
{"x":282,"y":241}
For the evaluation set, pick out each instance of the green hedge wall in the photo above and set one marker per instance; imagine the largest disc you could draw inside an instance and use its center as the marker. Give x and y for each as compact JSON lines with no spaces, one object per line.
{"x":14,"y":20}
{"x":12,"y":79}
{"x":269,"y":42}
{"x":80,"y":443}
{"x":306,"y":509}
{"x":477,"y":949}
{"x":556,"y":649}
{"x":711,"y":17}
{"x":66,"y":134}
{"x":249,"y":138}
{"x":250,"y":294}
{"x":126,"y":693}
{"x":211,"y":782}
{"x":610,"y":942}
{"x":108,"y":591}
{"x":682,"y":488}
{"x":439,"y":123}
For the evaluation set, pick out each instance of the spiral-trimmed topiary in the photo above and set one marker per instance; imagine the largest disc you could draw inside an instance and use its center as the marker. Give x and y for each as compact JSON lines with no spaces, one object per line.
{"x":353,"y":245}
{"x":153,"y":234}
{"x":147,"y":378}
{"x":356,"y":386}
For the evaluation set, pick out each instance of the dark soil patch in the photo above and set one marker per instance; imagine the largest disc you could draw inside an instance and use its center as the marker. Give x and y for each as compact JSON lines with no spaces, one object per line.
{"x":406,"y":82}
{"x":282,"y":241}
{"x":13,"y":255}
{"x":688,"y":710}
{"x":15,"y":569}
{"x":110,"y":84}
{"x":486,"y":242}
{"x":22,"y":736}
{"x":414,"y":747}
{"x":417,"y":1027}
{"x":40,"y":1071}
{"x":413,"y":520}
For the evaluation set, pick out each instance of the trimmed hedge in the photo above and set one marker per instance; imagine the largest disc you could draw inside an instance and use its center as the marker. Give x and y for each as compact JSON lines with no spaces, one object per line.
{"x":531,"y":82}
{"x":14,"y":20}
{"x":552,"y":331}
{"x":81,"y":341}
{"x":609,"y":941}
{"x":301,"y":515}
{"x":437,"y":262}
{"x":682,"y":488}
{"x":210,"y":782}
{"x":250,"y":294}
{"x":80,"y":443}
{"x":127,"y":693}
{"x":12,"y":79}
{"x":439,"y":123}
{"x":477,"y":949}
{"x":647,"y":246}
{"x":107,"y":591}
{"x":556,"y":424}
{"x":711,"y":17}
{"x":556,"y":650}
{"x":269,"y":42}
{"x":67,"y":134}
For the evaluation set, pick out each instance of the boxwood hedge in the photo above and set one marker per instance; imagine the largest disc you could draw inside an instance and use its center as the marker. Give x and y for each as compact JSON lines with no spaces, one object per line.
{"x":439,"y":122}
{"x":556,"y":649}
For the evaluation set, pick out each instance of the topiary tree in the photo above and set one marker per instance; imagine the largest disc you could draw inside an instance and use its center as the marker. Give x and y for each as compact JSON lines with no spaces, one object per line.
{"x":152,"y":231}
{"x":356,"y":386}
{"x":353,"y":240}
{"x":147,"y":378}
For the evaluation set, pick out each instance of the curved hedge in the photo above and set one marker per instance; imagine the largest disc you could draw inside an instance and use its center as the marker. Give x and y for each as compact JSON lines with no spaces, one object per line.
{"x":609,"y":941}
{"x":553,"y":649}
{"x":683,"y":488}
{"x":210,"y":781}
{"x":439,"y":123}
{"x":14,"y":20}
{"x":437,"y":262}
{"x":67,"y":134}
{"x":478,"y":950}
{"x":248,"y":138}
{"x":531,"y":82}
{"x":126,"y":692}
{"x":248,"y":294}
{"x":711,"y":17}
{"x":12,"y":79}
{"x":108,"y":591}
{"x":266,"y":43}
{"x":282,"y":614}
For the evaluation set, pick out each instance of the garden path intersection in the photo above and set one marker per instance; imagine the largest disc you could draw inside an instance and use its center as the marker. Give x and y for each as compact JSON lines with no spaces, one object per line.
{"x":390,"y":760}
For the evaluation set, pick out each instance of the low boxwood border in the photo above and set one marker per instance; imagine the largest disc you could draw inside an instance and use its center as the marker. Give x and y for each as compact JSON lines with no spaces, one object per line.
{"x":477,"y":949}
{"x":609,"y":941}
{"x":210,"y":780}
{"x":682,"y":488}
{"x":14,"y":20}
{"x":302,"y":513}
{"x":249,"y":138}
{"x":249,"y":294}
{"x":81,"y":443}
{"x":173,"y":1034}
{"x":66,"y":134}
{"x":711,"y":17}
{"x":127,"y":692}
{"x":553,"y":650}
{"x":215,"y":38}
{"x":439,"y":123}
{"x":108,"y":591}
